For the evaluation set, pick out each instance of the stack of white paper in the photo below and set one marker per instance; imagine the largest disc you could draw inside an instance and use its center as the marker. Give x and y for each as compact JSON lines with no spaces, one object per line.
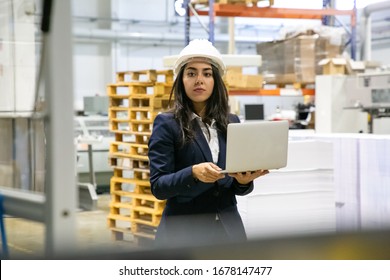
{"x":295,"y":200}
{"x":374,"y":169}
{"x":333,"y":182}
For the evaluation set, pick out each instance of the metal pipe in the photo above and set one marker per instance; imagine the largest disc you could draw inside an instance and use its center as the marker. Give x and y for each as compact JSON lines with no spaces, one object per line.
{"x":211,"y":21}
{"x":23,"y":204}
{"x":232,"y":46}
{"x":367,"y":38}
{"x":112,"y":35}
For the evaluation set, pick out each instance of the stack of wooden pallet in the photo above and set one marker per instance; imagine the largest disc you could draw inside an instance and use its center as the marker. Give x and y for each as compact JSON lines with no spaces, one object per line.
{"x":135,"y":100}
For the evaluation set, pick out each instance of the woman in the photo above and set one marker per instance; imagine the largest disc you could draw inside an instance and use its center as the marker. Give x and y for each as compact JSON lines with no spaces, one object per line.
{"x":187,"y":152}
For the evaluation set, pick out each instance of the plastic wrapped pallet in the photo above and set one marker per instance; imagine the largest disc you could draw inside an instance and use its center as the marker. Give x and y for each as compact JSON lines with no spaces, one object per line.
{"x":295,"y":58}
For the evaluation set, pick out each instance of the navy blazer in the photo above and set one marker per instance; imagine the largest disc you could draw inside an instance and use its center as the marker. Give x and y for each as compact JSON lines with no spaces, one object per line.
{"x":192,"y":205}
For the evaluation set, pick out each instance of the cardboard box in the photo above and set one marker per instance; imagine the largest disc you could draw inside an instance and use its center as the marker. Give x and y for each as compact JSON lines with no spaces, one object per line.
{"x":333,"y":66}
{"x":280,"y":78}
{"x":305,"y":58}
{"x":355,"y":67}
{"x":273,"y":57}
{"x":298,"y":56}
{"x":251,"y":81}
{"x":236,"y":79}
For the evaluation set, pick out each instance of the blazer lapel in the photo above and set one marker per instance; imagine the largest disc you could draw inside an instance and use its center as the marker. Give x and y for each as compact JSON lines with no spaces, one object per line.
{"x":202,"y":143}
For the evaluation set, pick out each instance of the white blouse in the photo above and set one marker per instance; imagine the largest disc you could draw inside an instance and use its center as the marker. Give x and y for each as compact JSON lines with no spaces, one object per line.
{"x":212,"y":140}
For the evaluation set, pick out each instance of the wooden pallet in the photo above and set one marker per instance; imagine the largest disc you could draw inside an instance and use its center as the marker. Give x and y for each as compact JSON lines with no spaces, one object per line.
{"x":138,"y":115}
{"x":162,"y":89}
{"x":138,"y":173}
{"x":135,"y":159}
{"x":131,"y":127}
{"x":119,"y":100}
{"x":129,"y":148}
{"x":149,"y":102}
{"x":125,"y":89}
{"x":132,"y":114}
{"x":118,"y":233}
{"x":293,"y":85}
{"x":135,"y":213}
{"x":145,"y":75}
{"x":143,"y":231}
{"x":116,"y":184}
{"x":132,"y":76}
{"x":145,"y":216}
{"x":118,"y":192}
{"x":143,"y":235}
{"x":141,"y":173}
{"x":148,"y":200}
{"x":139,"y":182}
{"x":134,"y":101}
{"x":131,"y":120}
{"x":123,"y":161}
{"x":118,"y":223}
{"x":125,"y":135}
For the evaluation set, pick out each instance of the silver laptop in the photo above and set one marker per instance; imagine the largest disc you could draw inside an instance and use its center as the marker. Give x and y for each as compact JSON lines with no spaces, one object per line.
{"x":256,"y":145}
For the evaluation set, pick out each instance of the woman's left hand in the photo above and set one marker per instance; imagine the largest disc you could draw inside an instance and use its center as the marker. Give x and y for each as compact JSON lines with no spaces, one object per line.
{"x":244,"y":178}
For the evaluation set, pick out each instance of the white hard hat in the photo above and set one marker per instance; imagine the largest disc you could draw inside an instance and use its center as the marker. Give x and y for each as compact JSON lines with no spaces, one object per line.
{"x":200,"y":48}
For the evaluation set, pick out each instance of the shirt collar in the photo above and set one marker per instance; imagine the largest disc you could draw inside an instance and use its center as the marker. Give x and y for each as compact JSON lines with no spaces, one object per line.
{"x":195,"y":116}
{"x":199,"y":119}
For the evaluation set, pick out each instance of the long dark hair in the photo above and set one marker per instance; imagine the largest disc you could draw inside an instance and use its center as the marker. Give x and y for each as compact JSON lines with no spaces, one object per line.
{"x":217,"y":106}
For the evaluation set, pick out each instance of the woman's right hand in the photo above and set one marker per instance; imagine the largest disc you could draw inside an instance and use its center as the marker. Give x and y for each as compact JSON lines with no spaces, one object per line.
{"x":207,"y":172}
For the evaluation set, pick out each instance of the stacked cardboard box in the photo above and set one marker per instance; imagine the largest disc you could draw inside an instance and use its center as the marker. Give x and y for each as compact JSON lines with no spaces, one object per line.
{"x":295,"y":59}
{"x":235,"y":79}
{"x":342,"y":66}
{"x":134,"y":101}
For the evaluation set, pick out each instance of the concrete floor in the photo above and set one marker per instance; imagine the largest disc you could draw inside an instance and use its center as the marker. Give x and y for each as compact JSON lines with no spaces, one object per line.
{"x":26,"y":239}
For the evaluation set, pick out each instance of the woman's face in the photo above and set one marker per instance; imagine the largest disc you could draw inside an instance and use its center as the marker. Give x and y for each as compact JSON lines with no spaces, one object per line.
{"x":198,"y":82}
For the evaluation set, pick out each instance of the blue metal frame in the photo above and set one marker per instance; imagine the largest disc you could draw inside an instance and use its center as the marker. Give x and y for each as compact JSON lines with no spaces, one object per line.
{"x":211,"y":21}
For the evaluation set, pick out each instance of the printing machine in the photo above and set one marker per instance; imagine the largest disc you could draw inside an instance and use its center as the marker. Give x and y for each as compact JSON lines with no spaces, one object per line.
{"x":353,"y":104}
{"x":371,"y":93}
{"x":92,"y":137}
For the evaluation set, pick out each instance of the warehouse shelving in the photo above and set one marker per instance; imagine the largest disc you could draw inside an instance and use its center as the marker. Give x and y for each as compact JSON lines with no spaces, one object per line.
{"x":273,"y":92}
{"x":235,"y":10}
{"x":242,"y":10}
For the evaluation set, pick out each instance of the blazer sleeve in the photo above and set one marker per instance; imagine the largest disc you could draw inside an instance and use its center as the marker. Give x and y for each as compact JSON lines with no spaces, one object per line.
{"x":166,"y":182}
{"x":242,"y":189}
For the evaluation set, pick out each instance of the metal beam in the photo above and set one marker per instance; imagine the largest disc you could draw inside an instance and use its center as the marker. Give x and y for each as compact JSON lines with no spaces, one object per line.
{"x":60,"y":185}
{"x":23,"y":204}
{"x":231,"y":10}
{"x":211,"y":21}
